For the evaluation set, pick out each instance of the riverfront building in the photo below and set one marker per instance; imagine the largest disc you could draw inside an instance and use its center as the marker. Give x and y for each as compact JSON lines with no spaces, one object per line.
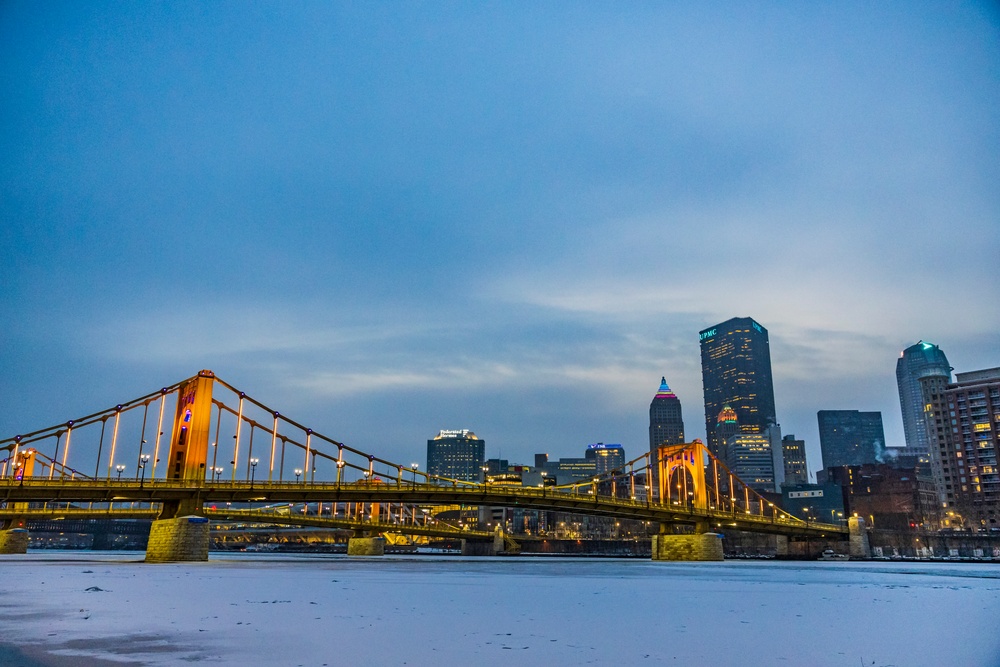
{"x":918,"y":361}
{"x":963,"y":426}
{"x":456,"y":455}
{"x":736,"y":371}
{"x":850,"y":437}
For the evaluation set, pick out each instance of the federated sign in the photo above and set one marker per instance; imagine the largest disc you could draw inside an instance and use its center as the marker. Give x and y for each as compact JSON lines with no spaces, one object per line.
{"x":818,"y":493}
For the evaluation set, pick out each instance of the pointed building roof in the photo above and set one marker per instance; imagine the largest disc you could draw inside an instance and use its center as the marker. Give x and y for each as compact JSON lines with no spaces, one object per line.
{"x":664,"y":391}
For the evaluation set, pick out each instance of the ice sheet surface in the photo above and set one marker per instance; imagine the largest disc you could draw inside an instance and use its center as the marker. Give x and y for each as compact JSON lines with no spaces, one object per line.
{"x":267,"y":609}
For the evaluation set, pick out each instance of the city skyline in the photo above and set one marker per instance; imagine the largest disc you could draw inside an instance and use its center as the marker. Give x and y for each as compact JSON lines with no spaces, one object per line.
{"x":387,"y":221}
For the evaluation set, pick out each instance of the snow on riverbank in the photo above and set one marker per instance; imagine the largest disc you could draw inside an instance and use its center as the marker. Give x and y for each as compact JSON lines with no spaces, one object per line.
{"x":334,"y":610}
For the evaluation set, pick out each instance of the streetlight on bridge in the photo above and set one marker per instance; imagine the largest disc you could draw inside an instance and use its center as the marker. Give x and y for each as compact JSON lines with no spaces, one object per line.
{"x":298,"y":473}
{"x":143,"y":460}
{"x":120,"y":468}
{"x":413,"y":467}
{"x":253,"y":470}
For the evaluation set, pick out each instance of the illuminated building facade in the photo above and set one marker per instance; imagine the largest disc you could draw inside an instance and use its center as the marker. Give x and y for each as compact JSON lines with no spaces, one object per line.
{"x":850,"y":437}
{"x":794,"y":454}
{"x":750,"y":458}
{"x":456,"y":455}
{"x":918,"y":361}
{"x":606,"y":457}
{"x":736,"y":371}
{"x":963,"y":427}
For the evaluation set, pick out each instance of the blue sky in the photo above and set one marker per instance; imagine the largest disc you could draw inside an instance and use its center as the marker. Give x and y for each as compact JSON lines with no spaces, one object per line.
{"x":389,"y":219}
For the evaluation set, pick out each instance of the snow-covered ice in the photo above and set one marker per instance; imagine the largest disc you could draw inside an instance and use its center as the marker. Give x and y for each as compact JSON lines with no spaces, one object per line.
{"x":267,"y":609}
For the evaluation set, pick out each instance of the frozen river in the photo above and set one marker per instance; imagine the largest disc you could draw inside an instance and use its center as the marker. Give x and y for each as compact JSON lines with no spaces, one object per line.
{"x":82,"y":608}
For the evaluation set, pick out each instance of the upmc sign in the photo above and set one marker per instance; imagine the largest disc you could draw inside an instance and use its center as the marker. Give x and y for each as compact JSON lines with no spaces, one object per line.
{"x":707,"y":334}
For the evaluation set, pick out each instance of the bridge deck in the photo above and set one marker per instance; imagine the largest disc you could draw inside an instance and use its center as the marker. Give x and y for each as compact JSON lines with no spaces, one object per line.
{"x":113,"y":490}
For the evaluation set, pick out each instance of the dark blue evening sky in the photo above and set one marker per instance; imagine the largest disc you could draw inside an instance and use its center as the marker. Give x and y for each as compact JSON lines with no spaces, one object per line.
{"x":387,"y":219}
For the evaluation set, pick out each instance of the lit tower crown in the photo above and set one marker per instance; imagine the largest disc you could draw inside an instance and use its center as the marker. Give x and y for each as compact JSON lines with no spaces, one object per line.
{"x":727,"y":416}
{"x":726,"y":426}
{"x":664,"y":391}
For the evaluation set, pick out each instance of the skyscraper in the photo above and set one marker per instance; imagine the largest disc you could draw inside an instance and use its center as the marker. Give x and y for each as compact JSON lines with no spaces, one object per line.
{"x":794,"y":452}
{"x":666,"y":427}
{"x":751,"y":458}
{"x":736,"y":371}
{"x":606,"y":457}
{"x":850,"y":437}
{"x":916,"y":362}
{"x":456,"y":455}
{"x":963,"y":425}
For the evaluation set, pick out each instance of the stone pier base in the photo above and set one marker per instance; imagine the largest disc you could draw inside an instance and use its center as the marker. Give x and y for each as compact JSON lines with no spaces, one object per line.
{"x":184,"y":538}
{"x":14,"y":541}
{"x":479,"y":548}
{"x":699,"y":546}
{"x":860,"y":548}
{"x":780,"y":545}
{"x":366,"y":546}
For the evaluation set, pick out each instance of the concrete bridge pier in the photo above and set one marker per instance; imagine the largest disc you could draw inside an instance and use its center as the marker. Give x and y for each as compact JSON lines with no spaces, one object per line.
{"x":182,"y":538}
{"x":13,"y":537}
{"x":179,"y":534}
{"x":781,"y":546}
{"x":365,"y":544}
{"x":490,"y":547}
{"x":13,"y":541}
{"x":859,"y":545}
{"x":698,"y":545}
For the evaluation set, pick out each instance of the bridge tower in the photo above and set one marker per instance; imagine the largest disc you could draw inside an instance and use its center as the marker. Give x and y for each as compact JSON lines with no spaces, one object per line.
{"x":181,"y":534}
{"x":682,"y":482}
{"x":13,"y":531}
{"x":192,"y":419}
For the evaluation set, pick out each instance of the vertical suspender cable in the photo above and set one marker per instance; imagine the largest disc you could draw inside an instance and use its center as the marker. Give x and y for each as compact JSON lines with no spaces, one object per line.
{"x":236,"y":446}
{"x":274,"y":443}
{"x":159,"y":432}
{"x":114,"y":439}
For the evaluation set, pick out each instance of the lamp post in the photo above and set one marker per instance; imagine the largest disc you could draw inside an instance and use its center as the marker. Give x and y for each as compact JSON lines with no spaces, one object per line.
{"x":413,"y":467}
{"x":143,"y":460}
{"x":218,"y":473}
{"x":298,"y":473}
{"x":253,"y":470}
{"x":340,"y":471}
{"x":142,"y":443}
{"x":120,"y":468}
